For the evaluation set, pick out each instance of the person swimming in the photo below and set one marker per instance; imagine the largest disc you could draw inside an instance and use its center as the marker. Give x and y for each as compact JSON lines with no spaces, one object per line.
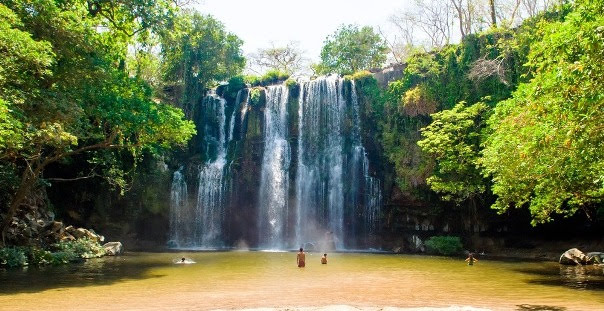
{"x":301,"y":258}
{"x":183,"y":261}
{"x":324,"y":259}
{"x":471,"y":259}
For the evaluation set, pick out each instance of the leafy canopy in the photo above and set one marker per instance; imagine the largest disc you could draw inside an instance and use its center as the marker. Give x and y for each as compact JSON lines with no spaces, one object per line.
{"x":351,"y":49}
{"x":547,"y":147}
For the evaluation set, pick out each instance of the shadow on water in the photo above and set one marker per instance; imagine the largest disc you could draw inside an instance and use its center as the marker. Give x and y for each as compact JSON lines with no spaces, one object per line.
{"x":98,"y":271}
{"x":577,"y":277}
{"x":526,"y":307}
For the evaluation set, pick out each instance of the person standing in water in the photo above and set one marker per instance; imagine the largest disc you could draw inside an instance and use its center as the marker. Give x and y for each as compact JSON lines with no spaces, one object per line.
{"x":324,"y":259}
{"x":471,"y":259}
{"x":301,"y":258}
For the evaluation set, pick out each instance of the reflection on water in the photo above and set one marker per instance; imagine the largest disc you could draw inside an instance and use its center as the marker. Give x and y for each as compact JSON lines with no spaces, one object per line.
{"x":232,"y":280}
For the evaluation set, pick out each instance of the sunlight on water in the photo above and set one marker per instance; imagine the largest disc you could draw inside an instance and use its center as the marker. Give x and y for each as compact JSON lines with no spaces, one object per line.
{"x":227,"y":280}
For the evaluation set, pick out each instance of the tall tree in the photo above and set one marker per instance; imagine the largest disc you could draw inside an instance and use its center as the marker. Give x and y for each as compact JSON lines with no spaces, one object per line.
{"x":546,"y":150}
{"x":196,"y":52}
{"x":351,"y":49}
{"x":288,"y":58}
{"x":64,"y":92}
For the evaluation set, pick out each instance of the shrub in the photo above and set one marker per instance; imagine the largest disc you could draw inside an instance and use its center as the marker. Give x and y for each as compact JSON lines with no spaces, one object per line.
{"x":235,"y":84}
{"x":252,"y":80}
{"x":12,"y":257}
{"x":255,"y":96}
{"x":444,"y":245}
{"x":273,"y":76}
{"x":359,"y":75}
{"x":63,"y":257}
{"x":39,"y":256}
{"x":82,"y":248}
{"x":290,"y":83}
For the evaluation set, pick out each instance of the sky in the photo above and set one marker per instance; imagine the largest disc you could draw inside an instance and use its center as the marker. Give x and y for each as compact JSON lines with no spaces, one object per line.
{"x":262,"y":22}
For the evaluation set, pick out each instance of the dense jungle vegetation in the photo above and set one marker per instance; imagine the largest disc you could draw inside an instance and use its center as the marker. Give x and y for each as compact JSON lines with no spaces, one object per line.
{"x":96,"y":93}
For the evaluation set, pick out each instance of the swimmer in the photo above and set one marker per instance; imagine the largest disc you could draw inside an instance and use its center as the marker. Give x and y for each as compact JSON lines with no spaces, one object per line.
{"x":471,"y":259}
{"x":301,"y":258}
{"x":324,"y":259}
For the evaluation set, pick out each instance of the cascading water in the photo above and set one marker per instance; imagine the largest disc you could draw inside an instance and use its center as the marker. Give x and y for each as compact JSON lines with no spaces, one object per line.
{"x":334,"y":199}
{"x":274,"y":183}
{"x":319,"y":186}
{"x":210,"y":209}
{"x":180,"y":220}
{"x":333,"y":177}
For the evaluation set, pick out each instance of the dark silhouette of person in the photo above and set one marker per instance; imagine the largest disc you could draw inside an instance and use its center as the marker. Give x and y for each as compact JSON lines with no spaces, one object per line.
{"x":301,"y":258}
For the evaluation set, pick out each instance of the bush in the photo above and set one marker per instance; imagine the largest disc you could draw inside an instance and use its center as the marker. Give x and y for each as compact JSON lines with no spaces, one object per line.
{"x":290,"y":83}
{"x":82,"y":248}
{"x":252,"y":80}
{"x":12,"y":257}
{"x":444,"y":245}
{"x":255,"y":96}
{"x":63,"y":257}
{"x":39,"y":256}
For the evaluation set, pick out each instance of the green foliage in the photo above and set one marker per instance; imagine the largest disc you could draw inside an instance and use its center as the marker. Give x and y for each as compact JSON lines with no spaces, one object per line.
{"x":546,"y":148}
{"x":81,"y":248}
{"x":255,"y":96}
{"x":252,"y":80}
{"x":444,"y":245}
{"x":64,"y":88}
{"x":351,"y":49}
{"x":453,"y":140}
{"x":39,"y":256}
{"x":12,"y":257}
{"x":290,"y":83}
{"x":197,"y":51}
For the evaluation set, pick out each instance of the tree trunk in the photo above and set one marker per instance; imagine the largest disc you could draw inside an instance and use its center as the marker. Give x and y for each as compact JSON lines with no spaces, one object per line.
{"x":493,"y":16}
{"x":28,"y":179}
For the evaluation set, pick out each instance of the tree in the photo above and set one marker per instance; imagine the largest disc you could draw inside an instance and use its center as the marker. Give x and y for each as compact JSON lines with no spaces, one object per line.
{"x":351,"y":49}
{"x":64,"y":92}
{"x":546,"y":149}
{"x":196,"y":52}
{"x":286,"y":59}
{"x":453,"y":139}
{"x":433,"y":18}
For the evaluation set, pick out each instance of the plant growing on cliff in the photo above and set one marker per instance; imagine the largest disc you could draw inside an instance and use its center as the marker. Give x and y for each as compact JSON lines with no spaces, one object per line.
{"x":351,"y":49}
{"x":453,"y":140}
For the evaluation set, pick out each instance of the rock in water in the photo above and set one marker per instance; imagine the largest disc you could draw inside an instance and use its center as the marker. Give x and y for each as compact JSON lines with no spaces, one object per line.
{"x":112,"y":248}
{"x":595,"y":257}
{"x":573,"y":256}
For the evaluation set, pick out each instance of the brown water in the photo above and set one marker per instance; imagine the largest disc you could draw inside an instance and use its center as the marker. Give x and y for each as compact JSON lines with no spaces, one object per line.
{"x":234,"y":280}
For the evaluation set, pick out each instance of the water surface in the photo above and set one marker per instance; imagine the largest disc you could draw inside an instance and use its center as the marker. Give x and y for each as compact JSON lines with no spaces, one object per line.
{"x":233,"y":280}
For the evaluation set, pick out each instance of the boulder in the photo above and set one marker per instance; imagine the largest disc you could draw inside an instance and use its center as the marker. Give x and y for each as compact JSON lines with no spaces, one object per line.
{"x":595,"y":258}
{"x":112,"y":248}
{"x":573,"y":256}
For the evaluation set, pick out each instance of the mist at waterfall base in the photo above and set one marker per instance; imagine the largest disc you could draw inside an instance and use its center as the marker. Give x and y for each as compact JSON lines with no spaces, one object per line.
{"x":314,"y":188}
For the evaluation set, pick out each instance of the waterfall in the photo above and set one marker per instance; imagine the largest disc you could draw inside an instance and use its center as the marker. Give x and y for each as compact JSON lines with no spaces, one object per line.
{"x":333,"y":178}
{"x":319,"y":186}
{"x":274,"y":182}
{"x":209,"y":212}
{"x":180,"y":220}
{"x":332,"y":198}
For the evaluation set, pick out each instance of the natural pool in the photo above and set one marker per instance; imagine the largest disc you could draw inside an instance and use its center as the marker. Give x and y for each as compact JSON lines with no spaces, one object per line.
{"x":234,"y":280}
